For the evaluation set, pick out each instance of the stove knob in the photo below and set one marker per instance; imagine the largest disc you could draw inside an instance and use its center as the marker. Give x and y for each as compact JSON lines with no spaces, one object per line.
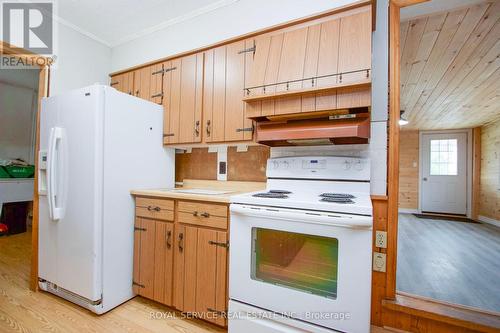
{"x":358,"y":166}
{"x":286,"y":165}
{"x":276,"y":165}
{"x":347,"y":165}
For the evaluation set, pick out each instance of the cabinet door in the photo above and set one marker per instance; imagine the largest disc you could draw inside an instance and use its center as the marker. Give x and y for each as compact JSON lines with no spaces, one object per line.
{"x":185,"y":268}
{"x":211,"y":282}
{"x":142,"y":78}
{"x":146,"y":229}
{"x":171,"y":101}
{"x":123,"y":82}
{"x":153,"y":259}
{"x":179,"y":255}
{"x":183,"y":89}
{"x":355,"y":46}
{"x":191,"y":98}
{"x":156,"y":84}
{"x":163,"y":262}
{"x":235,"y":125}
{"x":116,"y":82}
{"x":215,"y":94}
{"x":128,"y":86}
{"x":224,"y":110}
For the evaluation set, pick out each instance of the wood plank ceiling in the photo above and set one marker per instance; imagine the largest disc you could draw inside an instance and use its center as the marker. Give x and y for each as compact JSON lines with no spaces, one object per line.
{"x":450,"y":68}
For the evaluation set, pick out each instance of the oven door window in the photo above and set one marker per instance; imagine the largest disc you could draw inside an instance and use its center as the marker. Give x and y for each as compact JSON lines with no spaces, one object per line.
{"x":298,"y":261}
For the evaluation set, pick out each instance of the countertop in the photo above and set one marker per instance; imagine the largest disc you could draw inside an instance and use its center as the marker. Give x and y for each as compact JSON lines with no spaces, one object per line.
{"x":236,"y":187}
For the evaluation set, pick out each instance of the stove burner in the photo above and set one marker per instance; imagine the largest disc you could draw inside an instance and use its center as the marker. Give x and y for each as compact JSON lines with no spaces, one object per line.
{"x":337,"y":195}
{"x":271,"y":195}
{"x":338,"y":200}
{"x":280,"y":191}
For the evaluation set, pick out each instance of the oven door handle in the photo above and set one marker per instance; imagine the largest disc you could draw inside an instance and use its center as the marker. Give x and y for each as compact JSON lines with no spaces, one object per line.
{"x":330,"y":219}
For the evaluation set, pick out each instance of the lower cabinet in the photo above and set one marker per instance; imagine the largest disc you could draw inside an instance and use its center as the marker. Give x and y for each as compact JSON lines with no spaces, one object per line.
{"x":153,"y":259}
{"x":184,"y":263}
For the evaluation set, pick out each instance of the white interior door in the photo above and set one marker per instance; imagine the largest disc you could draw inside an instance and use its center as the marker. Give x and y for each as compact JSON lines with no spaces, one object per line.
{"x":444,"y":173}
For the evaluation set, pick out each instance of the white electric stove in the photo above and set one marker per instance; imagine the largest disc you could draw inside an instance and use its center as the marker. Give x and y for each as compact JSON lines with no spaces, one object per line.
{"x":300,"y":251}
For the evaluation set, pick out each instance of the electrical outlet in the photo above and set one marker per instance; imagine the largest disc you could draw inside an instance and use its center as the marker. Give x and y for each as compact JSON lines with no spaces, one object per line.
{"x":379,"y":261}
{"x":381,"y":239}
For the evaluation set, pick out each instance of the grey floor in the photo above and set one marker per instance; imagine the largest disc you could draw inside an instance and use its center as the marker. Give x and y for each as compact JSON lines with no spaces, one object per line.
{"x":451,"y":261}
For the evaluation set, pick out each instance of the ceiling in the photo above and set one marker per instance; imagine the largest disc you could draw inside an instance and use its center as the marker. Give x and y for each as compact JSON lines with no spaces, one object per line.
{"x":434,"y":6}
{"x":113,"y":22}
{"x":450,"y":68}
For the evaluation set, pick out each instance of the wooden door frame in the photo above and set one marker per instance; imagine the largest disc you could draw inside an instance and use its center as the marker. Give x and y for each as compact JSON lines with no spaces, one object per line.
{"x":43,"y":91}
{"x":468,"y":161}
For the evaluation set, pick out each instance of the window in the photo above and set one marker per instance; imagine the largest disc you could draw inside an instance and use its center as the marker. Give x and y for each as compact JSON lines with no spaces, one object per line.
{"x":303,"y":262}
{"x":443,"y":157}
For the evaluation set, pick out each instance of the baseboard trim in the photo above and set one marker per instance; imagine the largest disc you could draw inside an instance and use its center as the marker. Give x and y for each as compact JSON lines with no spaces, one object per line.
{"x":407,"y":211}
{"x":488,"y":220}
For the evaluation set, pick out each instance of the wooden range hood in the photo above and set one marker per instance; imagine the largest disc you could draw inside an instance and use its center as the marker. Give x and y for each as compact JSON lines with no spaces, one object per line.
{"x":322,"y":131}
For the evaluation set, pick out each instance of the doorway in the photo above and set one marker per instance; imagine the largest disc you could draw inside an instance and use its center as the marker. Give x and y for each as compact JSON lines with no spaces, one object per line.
{"x":444,"y":173}
{"x":448,"y":224}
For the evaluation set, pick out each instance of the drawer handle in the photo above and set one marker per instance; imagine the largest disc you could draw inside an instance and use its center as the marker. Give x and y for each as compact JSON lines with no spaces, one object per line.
{"x":154,"y":208}
{"x":181,"y":246}
{"x":205,"y":214}
{"x":140,"y":229}
{"x":197,"y":128}
{"x":169,"y":242}
{"x":195,"y":213}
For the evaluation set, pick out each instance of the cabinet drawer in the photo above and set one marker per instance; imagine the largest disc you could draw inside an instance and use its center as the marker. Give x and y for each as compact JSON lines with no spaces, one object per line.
{"x":159,"y":209}
{"x":202,"y":214}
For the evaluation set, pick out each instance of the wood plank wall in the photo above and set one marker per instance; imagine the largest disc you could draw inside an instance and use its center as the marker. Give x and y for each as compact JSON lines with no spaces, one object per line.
{"x":408,"y":169}
{"x":242,"y":166}
{"x":489,"y":203}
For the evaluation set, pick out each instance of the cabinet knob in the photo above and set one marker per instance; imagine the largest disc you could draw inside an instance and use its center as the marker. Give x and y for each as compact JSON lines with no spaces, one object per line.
{"x":195,"y":213}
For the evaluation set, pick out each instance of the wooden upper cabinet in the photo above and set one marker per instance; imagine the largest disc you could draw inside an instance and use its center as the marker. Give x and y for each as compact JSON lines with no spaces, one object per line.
{"x":319,"y":55}
{"x":224,"y":82}
{"x":355,"y":47}
{"x":182,"y":99}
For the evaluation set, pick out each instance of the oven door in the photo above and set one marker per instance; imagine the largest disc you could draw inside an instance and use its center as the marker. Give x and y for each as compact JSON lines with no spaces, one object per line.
{"x":311,"y":266}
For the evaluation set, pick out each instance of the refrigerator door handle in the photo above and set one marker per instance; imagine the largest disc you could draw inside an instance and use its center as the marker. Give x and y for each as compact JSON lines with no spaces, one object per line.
{"x":54,"y":162}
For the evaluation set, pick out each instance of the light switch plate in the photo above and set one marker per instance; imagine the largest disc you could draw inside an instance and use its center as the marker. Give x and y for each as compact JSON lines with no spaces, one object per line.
{"x":379,"y":262}
{"x":381,"y":239}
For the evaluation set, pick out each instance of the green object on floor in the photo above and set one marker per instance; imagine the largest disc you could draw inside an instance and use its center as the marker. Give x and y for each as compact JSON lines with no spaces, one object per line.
{"x":20,"y":171}
{"x":4,"y":173}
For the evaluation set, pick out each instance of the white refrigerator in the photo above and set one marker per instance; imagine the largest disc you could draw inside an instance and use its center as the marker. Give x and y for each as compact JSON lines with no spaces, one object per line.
{"x":96,"y":144}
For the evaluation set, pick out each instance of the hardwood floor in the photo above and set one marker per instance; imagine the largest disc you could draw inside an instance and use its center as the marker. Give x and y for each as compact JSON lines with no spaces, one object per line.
{"x":22,"y":310}
{"x":449,"y":261}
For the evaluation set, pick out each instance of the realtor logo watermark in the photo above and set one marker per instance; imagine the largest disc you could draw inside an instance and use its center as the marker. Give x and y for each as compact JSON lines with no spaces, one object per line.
{"x":29,"y":29}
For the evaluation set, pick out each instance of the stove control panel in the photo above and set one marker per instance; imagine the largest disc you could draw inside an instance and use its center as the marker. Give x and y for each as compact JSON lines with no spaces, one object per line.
{"x":319,"y":167}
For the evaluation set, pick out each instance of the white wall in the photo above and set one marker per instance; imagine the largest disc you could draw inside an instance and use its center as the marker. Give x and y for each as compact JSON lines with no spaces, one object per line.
{"x":81,"y":61}
{"x":233,"y":20}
